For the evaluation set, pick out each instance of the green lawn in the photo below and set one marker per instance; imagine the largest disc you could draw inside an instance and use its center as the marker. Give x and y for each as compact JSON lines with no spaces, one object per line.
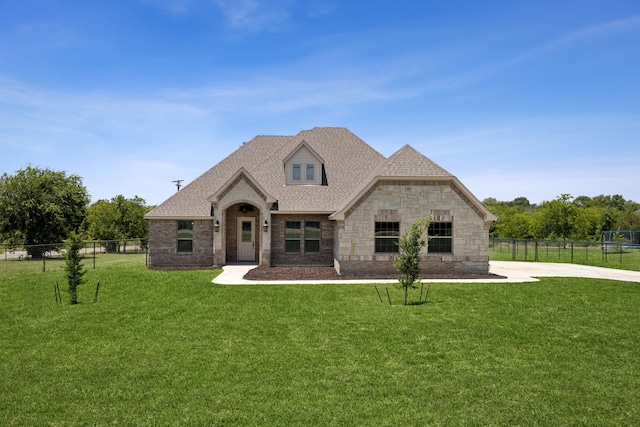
{"x":581,"y":253}
{"x":170,"y":348}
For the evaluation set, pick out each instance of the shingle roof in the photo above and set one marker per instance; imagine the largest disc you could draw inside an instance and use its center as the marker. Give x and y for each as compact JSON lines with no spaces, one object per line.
{"x":408,"y":162}
{"x":350,"y":164}
{"x":349,"y":161}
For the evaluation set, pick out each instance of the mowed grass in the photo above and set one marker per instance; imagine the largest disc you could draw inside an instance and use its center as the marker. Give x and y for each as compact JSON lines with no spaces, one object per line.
{"x":170,"y":348}
{"x":625,"y":259}
{"x":56,"y":263}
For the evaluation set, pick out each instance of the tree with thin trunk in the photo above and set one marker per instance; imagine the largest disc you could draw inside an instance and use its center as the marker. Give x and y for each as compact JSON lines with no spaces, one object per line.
{"x":407,"y":263}
{"x":74,"y":268}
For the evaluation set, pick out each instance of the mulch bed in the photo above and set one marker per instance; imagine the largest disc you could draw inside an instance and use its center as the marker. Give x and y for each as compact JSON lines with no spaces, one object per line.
{"x":329,"y":273}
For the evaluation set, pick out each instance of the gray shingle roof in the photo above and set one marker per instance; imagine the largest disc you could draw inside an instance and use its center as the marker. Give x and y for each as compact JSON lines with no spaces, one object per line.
{"x":408,"y":162}
{"x":350,"y":165}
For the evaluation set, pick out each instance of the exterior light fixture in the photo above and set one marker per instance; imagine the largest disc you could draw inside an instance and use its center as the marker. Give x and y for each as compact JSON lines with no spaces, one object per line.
{"x":216,"y":226}
{"x":265,"y":225}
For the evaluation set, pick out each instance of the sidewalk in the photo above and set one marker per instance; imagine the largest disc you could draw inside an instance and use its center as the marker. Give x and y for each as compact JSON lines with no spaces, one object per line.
{"x":513,"y":271}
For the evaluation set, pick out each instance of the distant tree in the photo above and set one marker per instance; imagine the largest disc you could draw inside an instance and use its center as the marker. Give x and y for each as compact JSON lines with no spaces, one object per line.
{"x":520,"y":202}
{"x":40,"y":206}
{"x":629,"y":220}
{"x":557,"y":218}
{"x":580,"y":218}
{"x":117,"y":219}
{"x":408,"y":261}
{"x":614,"y":202}
{"x":587,"y":223}
{"x":73,"y":267}
{"x":489,"y":201}
{"x":514,"y":226}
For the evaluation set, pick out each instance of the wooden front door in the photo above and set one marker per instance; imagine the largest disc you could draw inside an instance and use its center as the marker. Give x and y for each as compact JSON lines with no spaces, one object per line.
{"x":246,"y":239}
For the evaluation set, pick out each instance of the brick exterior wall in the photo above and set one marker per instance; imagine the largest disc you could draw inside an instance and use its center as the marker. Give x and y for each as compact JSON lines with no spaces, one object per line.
{"x":280,"y":258}
{"x":408,"y":202}
{"x":163,"y":235}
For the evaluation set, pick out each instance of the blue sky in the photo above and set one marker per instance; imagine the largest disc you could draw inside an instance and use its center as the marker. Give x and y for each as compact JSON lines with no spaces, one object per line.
{"x":515,"y":98}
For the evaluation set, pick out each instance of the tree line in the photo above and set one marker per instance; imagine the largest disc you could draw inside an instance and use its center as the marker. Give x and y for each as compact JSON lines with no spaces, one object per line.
{"x":565,"y":217}
{"x":41,"y":205}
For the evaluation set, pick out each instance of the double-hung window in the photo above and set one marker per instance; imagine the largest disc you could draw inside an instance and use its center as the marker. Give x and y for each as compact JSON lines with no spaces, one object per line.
{"x":312,"y":236}
{"x":311,"y":173}
{"x":292,"y":236}
{"x":440,"y":237}
{"x":185,"y":236}
{"x":297,"y":172}
{"x":386,"y":237}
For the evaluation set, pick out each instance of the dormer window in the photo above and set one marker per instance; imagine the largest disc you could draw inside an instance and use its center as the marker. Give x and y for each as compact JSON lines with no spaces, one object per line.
{"x":303,"y":166}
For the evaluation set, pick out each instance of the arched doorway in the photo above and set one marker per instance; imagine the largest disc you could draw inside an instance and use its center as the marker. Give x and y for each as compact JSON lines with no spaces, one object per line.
{"x":242,"y":238}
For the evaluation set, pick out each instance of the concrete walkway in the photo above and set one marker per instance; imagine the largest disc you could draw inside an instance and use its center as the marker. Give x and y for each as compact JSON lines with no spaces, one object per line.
{"x":515,"y":272}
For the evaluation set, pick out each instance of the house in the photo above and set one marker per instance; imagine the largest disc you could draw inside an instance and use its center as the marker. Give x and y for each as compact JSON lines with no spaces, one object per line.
{"x":320,"y":198}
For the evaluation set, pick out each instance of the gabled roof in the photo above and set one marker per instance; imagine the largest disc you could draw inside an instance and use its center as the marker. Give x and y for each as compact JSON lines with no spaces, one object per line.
{"x":352,"y":167}
{"x":408,"y":162}
{"x":241,"y":174}
{"x":348,"y":160}
{"x":298,"y":148}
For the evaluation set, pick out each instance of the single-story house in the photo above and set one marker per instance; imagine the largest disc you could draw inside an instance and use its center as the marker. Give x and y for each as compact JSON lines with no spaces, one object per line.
{"x":320,"y":198}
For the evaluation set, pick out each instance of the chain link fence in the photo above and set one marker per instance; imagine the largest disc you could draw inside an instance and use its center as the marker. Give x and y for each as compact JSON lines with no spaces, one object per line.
{"x":603,"y":253}
{"x":51,"y":257}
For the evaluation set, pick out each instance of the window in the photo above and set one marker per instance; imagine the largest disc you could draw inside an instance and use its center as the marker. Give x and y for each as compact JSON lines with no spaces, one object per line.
{"x":185,"y":236}
{"x":386,"y":237}
{"x":312,"y":236}
{"x":440,"y":237}
{"x":311,"y":175}
{"x":292,"y":236}
{"x":296,"y":172}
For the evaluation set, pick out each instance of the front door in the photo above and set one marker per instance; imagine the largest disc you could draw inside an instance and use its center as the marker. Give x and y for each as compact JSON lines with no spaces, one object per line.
{"x":246,"y":240}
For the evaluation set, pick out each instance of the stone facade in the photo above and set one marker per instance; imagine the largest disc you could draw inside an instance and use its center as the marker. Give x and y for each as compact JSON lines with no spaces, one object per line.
{"x":406,"y":202}
{"x":163,"y":244}
{"x":228,"y":209}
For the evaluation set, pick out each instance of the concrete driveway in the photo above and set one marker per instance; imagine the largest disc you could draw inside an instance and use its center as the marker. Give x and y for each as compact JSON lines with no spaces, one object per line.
{"x":513,"y":271}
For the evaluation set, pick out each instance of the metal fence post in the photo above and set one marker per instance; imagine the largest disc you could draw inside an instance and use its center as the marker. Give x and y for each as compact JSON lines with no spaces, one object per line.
{"x":571,"y":252}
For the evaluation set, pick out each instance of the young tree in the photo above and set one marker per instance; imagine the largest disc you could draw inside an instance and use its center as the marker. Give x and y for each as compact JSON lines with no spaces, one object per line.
{"x":74,"y":268}
{"x":40,"y":206}
{"x":408,"y":262}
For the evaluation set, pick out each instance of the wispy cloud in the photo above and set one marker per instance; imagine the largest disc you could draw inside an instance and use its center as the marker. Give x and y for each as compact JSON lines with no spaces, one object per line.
{"x":255,"y":15}
{"x":176,"y":7}
{"x":244,"y":15}
{"x":564,"y":42}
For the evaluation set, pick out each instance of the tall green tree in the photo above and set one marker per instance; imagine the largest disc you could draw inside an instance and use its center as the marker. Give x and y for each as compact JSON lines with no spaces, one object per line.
{"x":407,"y":262}
{"x":558,"y":218}
{"x":40,"y":206}
{"x":117,"y":219}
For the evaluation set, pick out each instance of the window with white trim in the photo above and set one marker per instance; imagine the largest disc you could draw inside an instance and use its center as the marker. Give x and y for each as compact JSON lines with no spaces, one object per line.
{"x":311,"y":174}
{"x":297,"y":172}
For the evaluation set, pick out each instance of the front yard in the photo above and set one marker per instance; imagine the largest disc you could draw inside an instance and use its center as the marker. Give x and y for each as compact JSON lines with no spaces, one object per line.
{"x":170,"y":348}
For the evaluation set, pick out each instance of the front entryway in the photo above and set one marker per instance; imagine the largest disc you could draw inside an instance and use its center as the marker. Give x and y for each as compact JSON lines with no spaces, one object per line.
{"x":246,"y":239}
